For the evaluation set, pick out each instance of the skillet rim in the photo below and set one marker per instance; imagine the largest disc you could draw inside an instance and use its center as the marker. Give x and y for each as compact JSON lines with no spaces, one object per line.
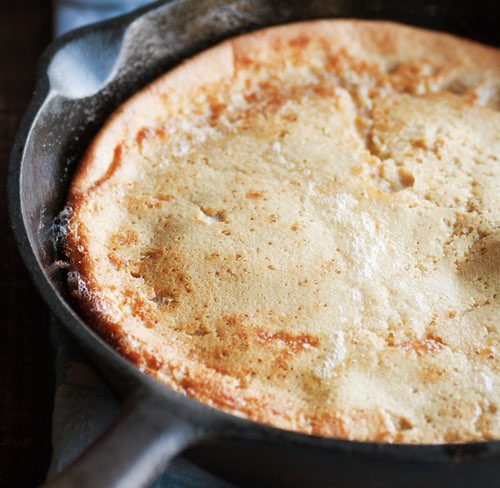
{"x":223,"y":424}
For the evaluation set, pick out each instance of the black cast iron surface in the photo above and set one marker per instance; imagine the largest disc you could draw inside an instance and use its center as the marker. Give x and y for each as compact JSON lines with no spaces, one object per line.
{"x":82,"y":78}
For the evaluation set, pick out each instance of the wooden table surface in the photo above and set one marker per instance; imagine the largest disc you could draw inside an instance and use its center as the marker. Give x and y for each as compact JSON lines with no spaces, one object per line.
{"x":26,"y":357}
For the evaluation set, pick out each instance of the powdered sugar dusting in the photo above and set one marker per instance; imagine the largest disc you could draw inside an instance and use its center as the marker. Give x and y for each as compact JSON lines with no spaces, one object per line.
{"x":364,"y":247}
{"x":335,"y":357}
{"x":487,"y":381}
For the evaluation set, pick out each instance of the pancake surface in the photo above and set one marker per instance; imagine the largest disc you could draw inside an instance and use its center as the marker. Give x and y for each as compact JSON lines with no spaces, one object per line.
{"x":301,"y":226}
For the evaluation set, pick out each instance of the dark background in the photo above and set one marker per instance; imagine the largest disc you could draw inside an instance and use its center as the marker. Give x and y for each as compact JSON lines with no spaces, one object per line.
{"x":26,"y":357}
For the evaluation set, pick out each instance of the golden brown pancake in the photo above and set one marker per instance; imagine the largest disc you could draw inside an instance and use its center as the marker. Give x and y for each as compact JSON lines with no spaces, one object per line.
{"x":300,"y":226}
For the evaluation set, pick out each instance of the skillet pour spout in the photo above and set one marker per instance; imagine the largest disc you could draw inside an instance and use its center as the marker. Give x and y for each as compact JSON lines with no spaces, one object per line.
{"x":82,"y":78}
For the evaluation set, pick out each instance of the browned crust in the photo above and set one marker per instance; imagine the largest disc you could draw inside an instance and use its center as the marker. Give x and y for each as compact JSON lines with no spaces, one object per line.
{"x":140,"y":109}
{"x":214,"y":66}
{"x":220,"y":62}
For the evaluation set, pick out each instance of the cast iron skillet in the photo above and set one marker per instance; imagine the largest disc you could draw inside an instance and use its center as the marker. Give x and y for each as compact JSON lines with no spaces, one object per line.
{"x":82,"y":78}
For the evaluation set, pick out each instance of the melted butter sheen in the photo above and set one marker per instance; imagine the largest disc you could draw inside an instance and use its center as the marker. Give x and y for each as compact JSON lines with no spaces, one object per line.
{"x":313,"y":243}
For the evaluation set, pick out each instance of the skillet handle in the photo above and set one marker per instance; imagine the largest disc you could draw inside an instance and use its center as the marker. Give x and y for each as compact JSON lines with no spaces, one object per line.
{"x":134,"y":451}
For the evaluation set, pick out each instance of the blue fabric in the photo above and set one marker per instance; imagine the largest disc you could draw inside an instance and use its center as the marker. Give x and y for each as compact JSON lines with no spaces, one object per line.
{"x":71,"y":14}
{"x":84,"y":405}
